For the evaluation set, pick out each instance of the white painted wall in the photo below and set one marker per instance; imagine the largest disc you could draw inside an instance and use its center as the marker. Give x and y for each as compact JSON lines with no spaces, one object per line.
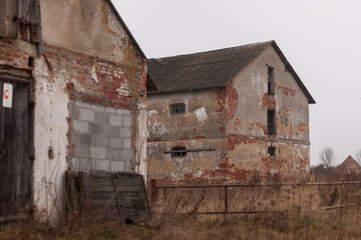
{"x":51,"y":112}
{"x":141,"y":140}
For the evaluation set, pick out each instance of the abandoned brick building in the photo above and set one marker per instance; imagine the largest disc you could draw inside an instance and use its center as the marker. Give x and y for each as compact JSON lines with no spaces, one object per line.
{"x":73,"y":80}
{"x":349,"y":166}
{"x":232,"y":115}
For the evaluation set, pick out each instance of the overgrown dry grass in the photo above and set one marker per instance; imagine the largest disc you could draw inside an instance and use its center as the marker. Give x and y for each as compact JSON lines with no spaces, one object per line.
{"x":326,"y":225}
{"x":288,"y":223}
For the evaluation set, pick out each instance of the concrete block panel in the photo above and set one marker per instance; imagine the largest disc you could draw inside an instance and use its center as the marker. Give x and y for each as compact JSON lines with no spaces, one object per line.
{"x":116,"y":142}
{"x":116,"y":120}
{"x":86,"y":115}
{"x":96,"y":129}
{"x":125,"y":132}
{"x":112,"y":131}
{"x":127,"y":143}
{"x":81,"y":151}
{"x":117,"y":166}
{"x":126,"y":155}
{"x":112,"y":154}
{"x":98,"y":108}
{"x":101,"y":117}
{"x":103,"y":165}
{"x":100,"y":141}
{"x":97,"y":152}
{"x":85,"y":139}
{"x":110,"y":110}
{"x":123,"y":112}
{"x":82,"y":105}
{"x":80,"y":126}
{"x":127,"y":121}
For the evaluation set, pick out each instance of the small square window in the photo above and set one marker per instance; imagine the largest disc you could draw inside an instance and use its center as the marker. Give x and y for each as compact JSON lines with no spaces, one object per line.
{"x":177,"y":108}
{"x":272,"y":151}
{"x":179,"y":151}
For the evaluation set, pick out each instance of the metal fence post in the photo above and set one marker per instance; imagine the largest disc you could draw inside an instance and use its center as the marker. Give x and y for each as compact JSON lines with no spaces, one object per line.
{"x":225,"y":200}
{"x":300,"y":196}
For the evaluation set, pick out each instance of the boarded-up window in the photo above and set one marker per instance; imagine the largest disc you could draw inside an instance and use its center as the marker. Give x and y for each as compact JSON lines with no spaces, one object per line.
{"x":271,"y":122}
{"x":271,"y":81}
{"x":177,"y":108}
{"x":8,"y":10}
{"x":29,"y":20}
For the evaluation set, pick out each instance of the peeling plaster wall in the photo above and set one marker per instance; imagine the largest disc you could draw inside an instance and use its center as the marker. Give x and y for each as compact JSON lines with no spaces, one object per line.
{"x":87,"y":59}
{"x":250,"y":88}
{"x":87,"y":26}
{"x":195,"y":165}
{"x":105,"y":65}
{"x":247,"y":126}
{"x":201,"y":127}
{"x":203,"y":118}
{"x":141,"y":135}
{"x":50,"y":140}
{"x":233,"y":121}
{"x":103,"y":129}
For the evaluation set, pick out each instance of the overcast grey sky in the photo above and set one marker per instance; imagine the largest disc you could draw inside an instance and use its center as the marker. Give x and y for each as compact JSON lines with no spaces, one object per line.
{"x":320,"y":38}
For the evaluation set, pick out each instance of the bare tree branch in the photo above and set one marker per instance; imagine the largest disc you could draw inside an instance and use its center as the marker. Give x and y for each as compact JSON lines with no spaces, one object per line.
{"x":326,"y":157}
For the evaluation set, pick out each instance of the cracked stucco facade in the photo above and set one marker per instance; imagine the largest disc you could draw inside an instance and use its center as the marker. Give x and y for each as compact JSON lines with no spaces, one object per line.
{"x":225,"y":130}
{"x":89,"y":80}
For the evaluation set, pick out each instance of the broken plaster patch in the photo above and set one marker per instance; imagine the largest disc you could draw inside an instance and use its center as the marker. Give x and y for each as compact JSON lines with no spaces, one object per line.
{"x":197,"y":174}
{"x":273,"y":172}
{"x":201,"y":114}
{"x":152,"y":112}
{"x":94,"y":73}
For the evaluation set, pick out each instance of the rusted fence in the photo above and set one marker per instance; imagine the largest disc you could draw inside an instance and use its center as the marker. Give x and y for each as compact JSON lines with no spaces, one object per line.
{"x":254,"y":198}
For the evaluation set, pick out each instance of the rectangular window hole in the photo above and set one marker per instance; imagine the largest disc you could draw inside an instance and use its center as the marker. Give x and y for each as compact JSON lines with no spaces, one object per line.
{"x":177,"y":108}
{"x":179,"y":151}
{"x":271,"y":122}
{"x":31,"y":62}
{"x":272,"y":151}
{"x":271,"y":81}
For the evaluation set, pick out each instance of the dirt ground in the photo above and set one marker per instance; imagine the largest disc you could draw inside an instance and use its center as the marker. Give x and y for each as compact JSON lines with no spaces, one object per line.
{"x":327,"y":225}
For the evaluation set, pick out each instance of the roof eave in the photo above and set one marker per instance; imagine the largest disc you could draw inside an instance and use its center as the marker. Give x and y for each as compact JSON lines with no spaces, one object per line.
{"x":184,"y":90}
{"x":126,"y":29}
{"x":293,"y":72}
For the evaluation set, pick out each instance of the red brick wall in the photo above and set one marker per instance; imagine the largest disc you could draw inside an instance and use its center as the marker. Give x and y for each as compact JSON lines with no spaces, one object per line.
{"x":119,"y":85}
{"x":11,"y":55}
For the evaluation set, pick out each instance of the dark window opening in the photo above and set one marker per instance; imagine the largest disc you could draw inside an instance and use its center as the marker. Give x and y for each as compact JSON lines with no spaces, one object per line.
{"x":271,"y":81}
{"x":179,"y":151}
{"x":31,"y":62}
{"x":272,"y":151}
{"x":271,"y":122}
{"x":177,"y":108}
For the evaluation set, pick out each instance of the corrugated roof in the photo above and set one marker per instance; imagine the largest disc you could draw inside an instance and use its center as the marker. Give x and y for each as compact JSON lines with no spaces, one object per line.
{"x":209,"y":69}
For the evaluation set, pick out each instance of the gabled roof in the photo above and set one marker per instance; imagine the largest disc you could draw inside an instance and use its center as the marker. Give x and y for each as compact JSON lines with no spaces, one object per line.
{"x":126,"y":28}
{"x":349,"y":163}
{"x":210,"y":69}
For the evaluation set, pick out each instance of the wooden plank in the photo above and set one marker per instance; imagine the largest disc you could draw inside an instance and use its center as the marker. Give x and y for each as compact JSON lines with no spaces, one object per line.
{"x":124,"y":196}
{"x":15,"y":146}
